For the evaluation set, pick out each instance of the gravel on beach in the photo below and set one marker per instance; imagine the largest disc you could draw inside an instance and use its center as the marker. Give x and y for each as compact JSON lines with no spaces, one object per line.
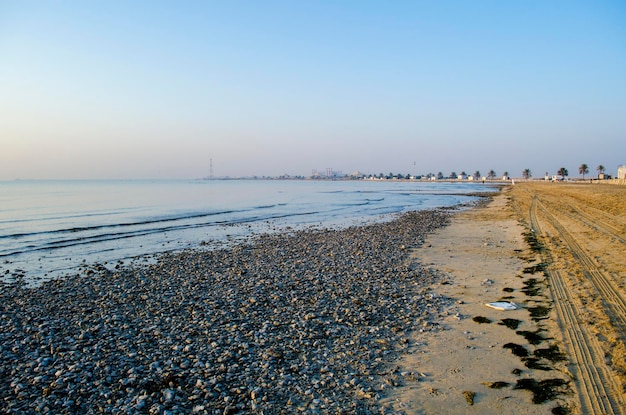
{"x":307,"y":321}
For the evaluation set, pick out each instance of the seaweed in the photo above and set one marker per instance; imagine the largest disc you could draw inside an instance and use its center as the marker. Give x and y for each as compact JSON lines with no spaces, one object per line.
{"x":532,"y":241}
{"x":551,"y":353}
{"x":497,"y":385}
{"x":561,"y":410}
{"x":539,"y":312}
{"x":516,"y":349}
{"x":533,"y":269}
{"x":535,"y":363}
{"x":510,"y":323}
{"x":533,"y":337}
{"x":544,"y":390}
{"x":469,"y":397}
{"x":481,"y":320}
{"x":531,"y":288}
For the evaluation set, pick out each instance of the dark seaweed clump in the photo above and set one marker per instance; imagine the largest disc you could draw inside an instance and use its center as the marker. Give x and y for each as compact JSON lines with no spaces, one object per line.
{"x":511,"y":323}
{"x":539,"y":312}
{"x":531,"y":287}
{"x":516,"y":349}
{"x":498,"y":385}
{"x":533,"y":337}
{"x":544,"y":390}
{"x":533,"y":269}
{"x":535,"y":363}
{"x":561,"y":410}
{"x":508,"y":289}
{"x":552,"y":354}
{"x":481,"y":320}
{"x":532,"y":241}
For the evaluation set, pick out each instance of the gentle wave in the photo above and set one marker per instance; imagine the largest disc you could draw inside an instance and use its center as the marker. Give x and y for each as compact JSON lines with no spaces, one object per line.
{"x":94,"y":239}
{"x":117,"y":225}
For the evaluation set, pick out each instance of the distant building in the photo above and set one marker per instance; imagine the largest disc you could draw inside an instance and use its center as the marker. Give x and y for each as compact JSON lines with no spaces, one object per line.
{"x":621,"y":171}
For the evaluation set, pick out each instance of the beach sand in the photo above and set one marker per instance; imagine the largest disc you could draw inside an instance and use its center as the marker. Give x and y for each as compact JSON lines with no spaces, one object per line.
{"x":556,"y":251}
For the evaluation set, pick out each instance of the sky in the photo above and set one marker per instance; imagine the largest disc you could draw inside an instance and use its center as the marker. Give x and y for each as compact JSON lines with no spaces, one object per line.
{"x":151,"y":89}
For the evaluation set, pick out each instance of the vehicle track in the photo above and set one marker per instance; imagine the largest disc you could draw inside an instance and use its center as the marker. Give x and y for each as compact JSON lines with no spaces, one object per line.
{"x":600,"y":226}
{"x":598,"y":393}
{"x":612,"y":299}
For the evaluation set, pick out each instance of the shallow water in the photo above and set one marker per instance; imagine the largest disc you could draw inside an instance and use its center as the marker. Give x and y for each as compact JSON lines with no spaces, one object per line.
{"x":48,"y":228}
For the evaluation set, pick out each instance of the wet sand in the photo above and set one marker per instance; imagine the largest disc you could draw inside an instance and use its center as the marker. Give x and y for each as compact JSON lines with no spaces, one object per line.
{"x":556,"y":251}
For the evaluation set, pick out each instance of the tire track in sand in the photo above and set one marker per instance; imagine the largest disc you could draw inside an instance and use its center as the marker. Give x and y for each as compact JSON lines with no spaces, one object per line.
{"x":603,"y":226}
{"x":598,"y":394}
{"x":613,"y":300}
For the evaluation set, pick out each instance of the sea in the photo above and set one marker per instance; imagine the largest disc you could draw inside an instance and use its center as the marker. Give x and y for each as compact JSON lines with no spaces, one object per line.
{"x":53,"y":228}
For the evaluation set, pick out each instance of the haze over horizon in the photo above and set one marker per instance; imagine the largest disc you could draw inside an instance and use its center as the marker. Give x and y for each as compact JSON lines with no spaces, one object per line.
{"x":133,"y":90}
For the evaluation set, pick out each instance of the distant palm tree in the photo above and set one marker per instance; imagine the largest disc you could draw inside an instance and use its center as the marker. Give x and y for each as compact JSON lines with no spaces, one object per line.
{"x":491,"y":174}
{"x":583,"y":169}
{"x":439,"y":176}
{"x":453,"y":175}
{"x":562,"y":172}
{"x":600,"y":169}
{"x":476,"y":175}
{"x":527,"y":174}
{"x":506,"y":174}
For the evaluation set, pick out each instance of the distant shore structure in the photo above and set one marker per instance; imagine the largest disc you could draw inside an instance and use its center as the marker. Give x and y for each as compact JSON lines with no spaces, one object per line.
{"x":621,"y":171}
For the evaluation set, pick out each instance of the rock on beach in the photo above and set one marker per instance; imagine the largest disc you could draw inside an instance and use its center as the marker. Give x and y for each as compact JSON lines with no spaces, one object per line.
{"x":306,"y":321}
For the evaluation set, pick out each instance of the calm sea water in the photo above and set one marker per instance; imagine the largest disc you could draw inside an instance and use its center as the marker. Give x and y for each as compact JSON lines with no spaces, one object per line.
{"x":50,"y":228}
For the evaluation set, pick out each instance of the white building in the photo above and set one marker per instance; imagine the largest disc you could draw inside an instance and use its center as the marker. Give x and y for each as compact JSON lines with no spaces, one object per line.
{"x":621,"y":171}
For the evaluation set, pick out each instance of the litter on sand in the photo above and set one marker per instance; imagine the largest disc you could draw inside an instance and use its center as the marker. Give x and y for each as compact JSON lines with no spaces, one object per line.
{"x":502,"y":305}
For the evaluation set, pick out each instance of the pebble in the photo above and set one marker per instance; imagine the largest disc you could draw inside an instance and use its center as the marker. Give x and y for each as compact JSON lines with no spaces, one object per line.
{"x":310,"y":320}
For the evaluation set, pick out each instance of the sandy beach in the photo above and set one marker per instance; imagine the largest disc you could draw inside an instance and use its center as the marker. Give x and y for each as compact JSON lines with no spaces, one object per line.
{"x":556,"y":251}
{"x":382,"y":318}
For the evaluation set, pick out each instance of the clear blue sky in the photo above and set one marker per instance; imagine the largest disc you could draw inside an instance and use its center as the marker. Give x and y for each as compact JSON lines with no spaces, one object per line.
{"x":130,"y":89}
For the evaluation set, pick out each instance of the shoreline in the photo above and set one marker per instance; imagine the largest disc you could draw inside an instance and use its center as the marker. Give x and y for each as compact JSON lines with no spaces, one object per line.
{"x":83,"y":227}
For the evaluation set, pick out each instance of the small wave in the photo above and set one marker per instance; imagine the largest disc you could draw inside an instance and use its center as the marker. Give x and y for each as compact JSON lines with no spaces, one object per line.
{"x":106,"y":237}
{"x":64,"y":217}
{"x":119,"y":225}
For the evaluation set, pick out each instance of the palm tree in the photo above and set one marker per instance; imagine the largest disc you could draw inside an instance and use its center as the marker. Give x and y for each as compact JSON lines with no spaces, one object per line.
{"x":527,"y":174}
{"x":600,"y":169}
{"x":506,"y":174}
{"x":491,"y":174}
{"x":439,"y":176}
{"x":453,"y":175}
{"x":583,"y":169}
{"x":562,"y":172}
{"x":476,"y":175}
